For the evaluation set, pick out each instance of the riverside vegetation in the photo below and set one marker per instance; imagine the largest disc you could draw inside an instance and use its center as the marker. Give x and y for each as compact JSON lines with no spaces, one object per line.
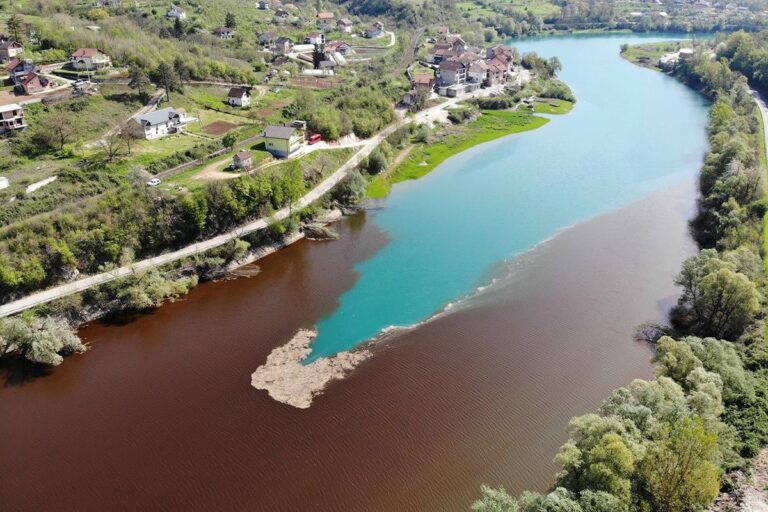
{"x":671,"y":444}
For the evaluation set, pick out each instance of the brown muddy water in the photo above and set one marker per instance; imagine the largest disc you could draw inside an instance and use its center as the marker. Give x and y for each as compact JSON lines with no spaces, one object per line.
{"x":160,"y":414}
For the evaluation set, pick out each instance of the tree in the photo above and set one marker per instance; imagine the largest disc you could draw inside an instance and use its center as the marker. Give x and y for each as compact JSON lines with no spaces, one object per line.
{"x":127,"y":136}
{"x":420,"y":100}
{"x":294,"y":185}
{"x":377,"y":162}
{"x":178,"y":28}
{"x":230,"y":21}
{"x":15,"y":25}
{"x":181,"y":68}
{"x":600,"y":501}
{"x":61,"y":127}
{"x":717,"y":299}
{"x":139,"y":80}
{"x":494,"y":500}
{"x":167,"y":77}
{"x":229,"y":140}
{"x":554,"y":66}
{"x":111,"y":144}
{"x":40,"y":340}
{"x":680,"y":471}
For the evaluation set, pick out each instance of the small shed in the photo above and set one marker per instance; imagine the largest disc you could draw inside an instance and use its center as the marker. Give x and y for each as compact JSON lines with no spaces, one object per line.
{"x":242,"y":160}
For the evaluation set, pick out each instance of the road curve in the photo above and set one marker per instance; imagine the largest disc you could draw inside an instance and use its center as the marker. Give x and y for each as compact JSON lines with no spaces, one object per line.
{"x":313,"y":195}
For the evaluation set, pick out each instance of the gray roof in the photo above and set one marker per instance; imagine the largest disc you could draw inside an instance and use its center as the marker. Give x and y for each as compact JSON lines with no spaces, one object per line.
{"x":157,"y":117}
{"x":279,"y":132}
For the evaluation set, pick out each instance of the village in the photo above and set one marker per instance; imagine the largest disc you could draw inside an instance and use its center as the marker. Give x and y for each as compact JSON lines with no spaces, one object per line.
{"x":219,"y":130}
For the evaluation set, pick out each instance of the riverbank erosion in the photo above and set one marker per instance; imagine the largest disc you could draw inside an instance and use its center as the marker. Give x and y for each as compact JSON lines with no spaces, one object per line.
{"x":289,"y":381}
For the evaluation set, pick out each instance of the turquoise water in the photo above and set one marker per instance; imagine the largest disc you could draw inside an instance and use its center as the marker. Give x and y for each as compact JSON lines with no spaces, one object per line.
{"x":632,"y":132}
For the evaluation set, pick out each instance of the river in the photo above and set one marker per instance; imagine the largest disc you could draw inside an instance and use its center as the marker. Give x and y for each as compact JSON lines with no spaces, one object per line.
{"x":583,"y":223}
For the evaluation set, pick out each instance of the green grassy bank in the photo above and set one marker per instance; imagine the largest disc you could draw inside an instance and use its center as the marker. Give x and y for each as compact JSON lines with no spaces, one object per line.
{"x":492,"y":124}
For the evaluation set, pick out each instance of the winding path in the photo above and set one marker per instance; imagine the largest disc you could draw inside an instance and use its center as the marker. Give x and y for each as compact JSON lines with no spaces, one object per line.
{"x":321,"y":189}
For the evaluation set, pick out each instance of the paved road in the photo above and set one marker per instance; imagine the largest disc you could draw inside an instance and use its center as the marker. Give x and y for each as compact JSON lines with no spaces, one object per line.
{"x":763,"y":113}
{"x":321,"y":189}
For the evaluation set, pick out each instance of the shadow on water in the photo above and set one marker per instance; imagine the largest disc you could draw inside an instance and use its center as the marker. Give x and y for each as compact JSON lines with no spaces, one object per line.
{"x":122,"y":318}
{"x":16,"y":370}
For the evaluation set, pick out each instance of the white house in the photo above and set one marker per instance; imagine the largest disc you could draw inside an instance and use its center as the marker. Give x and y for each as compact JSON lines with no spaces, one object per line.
{"x":9,"y":49}
{"x":161,"y":122}
{"x":239,"y":97}
{"x":89,"y":59}
{"x":12,"y":118}
{"x":177,"y":12}
{"x":315,"y":38}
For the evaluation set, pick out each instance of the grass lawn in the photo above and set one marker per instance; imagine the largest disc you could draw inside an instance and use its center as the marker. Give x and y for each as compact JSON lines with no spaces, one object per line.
{"x":214,"y":98}
{"x":145,"y":152}
{"x":648,"y":54}
{"x":324,"y":161}
{"x":492,"y":124}
{"x":187,"y":178}
{"x":552,"y":106}
{"x":538,"y":7}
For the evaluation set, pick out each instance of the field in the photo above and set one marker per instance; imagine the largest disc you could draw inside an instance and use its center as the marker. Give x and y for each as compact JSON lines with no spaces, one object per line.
{"x":541,"y":8}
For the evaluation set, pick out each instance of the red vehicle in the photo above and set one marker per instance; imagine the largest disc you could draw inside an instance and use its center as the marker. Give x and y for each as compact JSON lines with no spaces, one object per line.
{"x":314,"y":138}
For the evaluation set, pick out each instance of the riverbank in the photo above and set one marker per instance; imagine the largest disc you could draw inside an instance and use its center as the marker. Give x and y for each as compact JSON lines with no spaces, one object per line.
{"x":454,"y":139}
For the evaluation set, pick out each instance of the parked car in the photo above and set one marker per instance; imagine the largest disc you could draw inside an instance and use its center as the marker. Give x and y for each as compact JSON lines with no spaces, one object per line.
{"x":314,"y":138}
{"x":154,"y":182}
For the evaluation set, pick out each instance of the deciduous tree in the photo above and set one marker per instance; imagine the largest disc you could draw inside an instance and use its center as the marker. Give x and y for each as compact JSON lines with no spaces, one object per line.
{"x":680,"y":471}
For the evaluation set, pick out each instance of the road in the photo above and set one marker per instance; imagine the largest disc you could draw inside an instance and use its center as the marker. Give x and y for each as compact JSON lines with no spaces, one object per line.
{"x":410,"y":52}
{"x":313,"y":195}
{"x":763,"y":113}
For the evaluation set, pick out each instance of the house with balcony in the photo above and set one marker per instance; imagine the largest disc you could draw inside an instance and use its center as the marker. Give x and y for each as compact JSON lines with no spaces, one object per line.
{"x":9,"y":49}
{"x":12,"y":118}
{"x":89,"y":59}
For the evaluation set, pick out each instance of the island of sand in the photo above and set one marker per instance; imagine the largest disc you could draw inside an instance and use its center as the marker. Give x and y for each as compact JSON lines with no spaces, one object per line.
{"x":289,"y":381}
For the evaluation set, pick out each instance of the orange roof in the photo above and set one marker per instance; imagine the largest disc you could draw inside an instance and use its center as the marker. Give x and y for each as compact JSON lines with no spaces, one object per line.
{"x":423,"y":79}
{"x":326,"y":15}
{"x":85,"y":52}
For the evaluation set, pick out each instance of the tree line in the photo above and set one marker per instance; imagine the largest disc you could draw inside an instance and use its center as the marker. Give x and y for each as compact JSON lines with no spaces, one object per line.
{"x":668,"y":444}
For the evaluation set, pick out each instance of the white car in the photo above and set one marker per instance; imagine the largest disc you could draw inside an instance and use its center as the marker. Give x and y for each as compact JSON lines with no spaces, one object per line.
{"x":154,"y":182}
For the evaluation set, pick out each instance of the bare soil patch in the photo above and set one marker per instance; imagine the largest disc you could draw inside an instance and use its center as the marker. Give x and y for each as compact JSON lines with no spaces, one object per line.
{"x":219,"y":127}
{"x":325,"y":82}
